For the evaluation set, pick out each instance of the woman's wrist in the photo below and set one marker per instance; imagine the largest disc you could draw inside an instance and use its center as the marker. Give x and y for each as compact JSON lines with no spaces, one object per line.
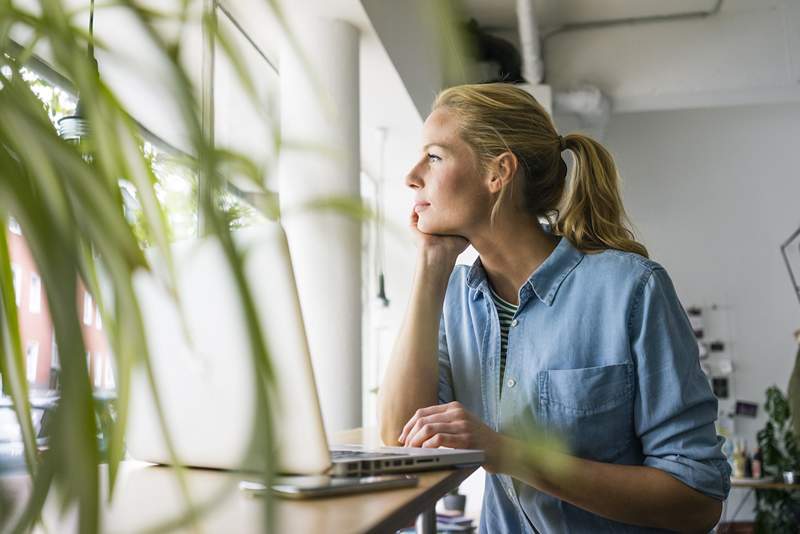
{"x":539,"y":466}
{"x":436,"y":261}
{"x":431,"y":277}
{"x":508,"y":456}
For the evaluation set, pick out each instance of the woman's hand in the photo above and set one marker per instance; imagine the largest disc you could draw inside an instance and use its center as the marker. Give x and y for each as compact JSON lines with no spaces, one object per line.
{"x":437,"y":247}
{"x":452,"y":425}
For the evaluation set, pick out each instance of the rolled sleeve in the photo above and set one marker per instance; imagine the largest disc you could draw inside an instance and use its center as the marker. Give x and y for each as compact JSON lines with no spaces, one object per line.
{"x":445,"y":372}
{"x":674,"y":409}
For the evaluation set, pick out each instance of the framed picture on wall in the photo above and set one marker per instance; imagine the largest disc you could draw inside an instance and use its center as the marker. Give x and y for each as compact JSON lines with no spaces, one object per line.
{"x":791,"y":255}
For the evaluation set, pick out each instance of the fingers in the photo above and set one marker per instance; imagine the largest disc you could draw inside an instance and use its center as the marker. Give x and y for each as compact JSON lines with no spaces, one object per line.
{"x":455,"y":441}
{"x":429,"y":430}
{"x":437,"y":418}
{"x":422,"y":412}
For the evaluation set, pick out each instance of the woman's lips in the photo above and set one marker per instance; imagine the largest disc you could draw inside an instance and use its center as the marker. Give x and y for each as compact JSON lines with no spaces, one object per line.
{"x":419,"y":206}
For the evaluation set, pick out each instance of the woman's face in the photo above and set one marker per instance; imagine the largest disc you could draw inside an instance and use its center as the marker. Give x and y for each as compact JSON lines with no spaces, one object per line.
{"x":450,"y":194}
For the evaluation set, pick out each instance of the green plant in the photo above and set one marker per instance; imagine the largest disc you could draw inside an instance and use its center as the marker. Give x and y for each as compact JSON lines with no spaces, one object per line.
{"x":793,"y":390}
{"x":72,"y":213}
{"x":778,"y":511}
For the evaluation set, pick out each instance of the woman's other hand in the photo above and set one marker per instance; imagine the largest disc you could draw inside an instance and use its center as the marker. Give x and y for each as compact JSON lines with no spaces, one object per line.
{"x":452,"y":425}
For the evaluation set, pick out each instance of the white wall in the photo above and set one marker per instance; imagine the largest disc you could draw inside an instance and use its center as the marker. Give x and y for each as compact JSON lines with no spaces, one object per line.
{"x":713,"y":193}
{"x":747,"y":53}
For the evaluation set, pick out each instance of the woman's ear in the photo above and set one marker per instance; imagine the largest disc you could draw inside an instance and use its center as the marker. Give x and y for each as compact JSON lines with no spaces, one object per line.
{"x":502,"y":171}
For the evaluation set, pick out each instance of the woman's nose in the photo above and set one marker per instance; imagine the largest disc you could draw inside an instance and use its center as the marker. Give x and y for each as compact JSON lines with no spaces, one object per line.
{"x":412,"y":178}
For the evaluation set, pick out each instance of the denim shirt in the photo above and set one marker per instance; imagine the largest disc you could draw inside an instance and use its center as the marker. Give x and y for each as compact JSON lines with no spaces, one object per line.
{"x":600,"y":353}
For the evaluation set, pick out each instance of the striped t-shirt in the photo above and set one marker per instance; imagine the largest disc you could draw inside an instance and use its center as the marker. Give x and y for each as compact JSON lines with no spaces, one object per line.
{"x":505,"y":312}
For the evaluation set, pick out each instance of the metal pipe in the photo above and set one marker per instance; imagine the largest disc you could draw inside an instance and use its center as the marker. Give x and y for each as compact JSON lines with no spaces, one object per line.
{"x":532,"y":64}
{"x":633,"y":20}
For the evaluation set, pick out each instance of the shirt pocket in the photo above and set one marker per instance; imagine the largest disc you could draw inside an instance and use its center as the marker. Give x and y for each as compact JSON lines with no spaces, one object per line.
{"x":591,"y":409}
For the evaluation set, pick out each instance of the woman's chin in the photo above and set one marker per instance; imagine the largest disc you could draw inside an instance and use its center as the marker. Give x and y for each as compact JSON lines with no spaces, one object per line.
{"x":433,"y":228}
{"x":428,"y":227}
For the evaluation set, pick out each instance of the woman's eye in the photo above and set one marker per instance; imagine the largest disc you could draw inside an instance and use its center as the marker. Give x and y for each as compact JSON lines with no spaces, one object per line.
{"x":433,"y":158}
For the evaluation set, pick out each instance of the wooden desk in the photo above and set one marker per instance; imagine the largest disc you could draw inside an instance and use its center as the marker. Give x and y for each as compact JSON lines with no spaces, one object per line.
{"x":148,"y":496}
{"x":760,"y":484}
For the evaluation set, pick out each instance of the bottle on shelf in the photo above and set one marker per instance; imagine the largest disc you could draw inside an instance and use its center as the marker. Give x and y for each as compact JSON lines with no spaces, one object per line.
{"x":738,"y":460}
{"x":757,"y":463}
{"x":748,"y":463}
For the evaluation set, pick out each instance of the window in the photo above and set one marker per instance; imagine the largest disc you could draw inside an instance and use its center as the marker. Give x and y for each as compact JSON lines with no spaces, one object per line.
{"x":176,"y":182}
{"x":110,"y":382}
{"x":88,"y":310}
{"x":175,"y":176}
{"x":56,"y":101}
{"x":32,"y":360}
{"x":13,"y":226}
{"x":16,"y":271}
{"x":98,"y":371}
{"x":239,"y":213}
{"x":55,"y":363}
{"x":176,"y":188}
{"x":35,"y":295}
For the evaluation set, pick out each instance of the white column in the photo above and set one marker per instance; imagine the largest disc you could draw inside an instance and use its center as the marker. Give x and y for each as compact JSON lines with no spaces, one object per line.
{"x":320,"y":126}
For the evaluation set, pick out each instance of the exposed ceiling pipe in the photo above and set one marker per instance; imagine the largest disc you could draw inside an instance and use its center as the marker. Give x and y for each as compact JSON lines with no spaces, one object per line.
{"x":632,"y":20}
{"x":530,"y":42}
{"x":592,"y":107}
{"x":589,"y":103}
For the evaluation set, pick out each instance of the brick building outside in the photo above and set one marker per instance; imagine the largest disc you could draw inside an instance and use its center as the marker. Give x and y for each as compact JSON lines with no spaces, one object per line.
{"x":38,"y":339}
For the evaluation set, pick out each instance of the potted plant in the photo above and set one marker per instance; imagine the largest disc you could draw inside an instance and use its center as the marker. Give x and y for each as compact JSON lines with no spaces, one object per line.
{"x":778,"y":511}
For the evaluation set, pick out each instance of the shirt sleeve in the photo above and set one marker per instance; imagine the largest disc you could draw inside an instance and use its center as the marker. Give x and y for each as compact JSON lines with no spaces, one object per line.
{"x":445,"y":373}
{"x":674,"y":409}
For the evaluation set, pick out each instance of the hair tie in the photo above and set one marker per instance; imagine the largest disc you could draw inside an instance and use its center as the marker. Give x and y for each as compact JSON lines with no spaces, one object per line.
{"x":562,"y":143}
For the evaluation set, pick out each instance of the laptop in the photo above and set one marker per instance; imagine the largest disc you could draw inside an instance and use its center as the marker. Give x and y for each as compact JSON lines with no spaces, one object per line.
{"x":204,"y":372}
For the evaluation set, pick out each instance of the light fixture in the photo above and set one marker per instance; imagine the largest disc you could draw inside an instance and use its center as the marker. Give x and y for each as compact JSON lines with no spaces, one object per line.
{"x":379,"y":250}
{"x":75,"y":127}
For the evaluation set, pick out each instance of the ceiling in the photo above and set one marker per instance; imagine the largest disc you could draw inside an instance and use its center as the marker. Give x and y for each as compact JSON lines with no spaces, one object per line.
{"x":743,"y":53}
{"x":500,"y":15}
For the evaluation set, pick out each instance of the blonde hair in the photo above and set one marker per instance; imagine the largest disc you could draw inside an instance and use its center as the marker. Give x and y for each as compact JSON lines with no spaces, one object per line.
{"x":498,"y":117}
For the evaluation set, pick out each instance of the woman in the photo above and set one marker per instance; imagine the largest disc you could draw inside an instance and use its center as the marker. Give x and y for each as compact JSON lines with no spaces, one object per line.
{"x":566,"y":327}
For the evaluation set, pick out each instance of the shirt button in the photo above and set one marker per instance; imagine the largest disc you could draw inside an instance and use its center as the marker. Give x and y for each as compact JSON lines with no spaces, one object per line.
{"x":514,"y":322}
{"x":511,"y":382}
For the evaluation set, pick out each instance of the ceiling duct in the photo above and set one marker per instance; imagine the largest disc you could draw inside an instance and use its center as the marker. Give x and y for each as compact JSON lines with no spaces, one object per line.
{"x":589,"y":104}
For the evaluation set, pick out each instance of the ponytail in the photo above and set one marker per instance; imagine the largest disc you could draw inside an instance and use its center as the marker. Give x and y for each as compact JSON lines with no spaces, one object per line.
{"x":592,"y":215}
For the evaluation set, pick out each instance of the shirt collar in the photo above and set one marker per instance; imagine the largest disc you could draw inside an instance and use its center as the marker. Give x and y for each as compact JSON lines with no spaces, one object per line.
{"x":545,"y":280}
